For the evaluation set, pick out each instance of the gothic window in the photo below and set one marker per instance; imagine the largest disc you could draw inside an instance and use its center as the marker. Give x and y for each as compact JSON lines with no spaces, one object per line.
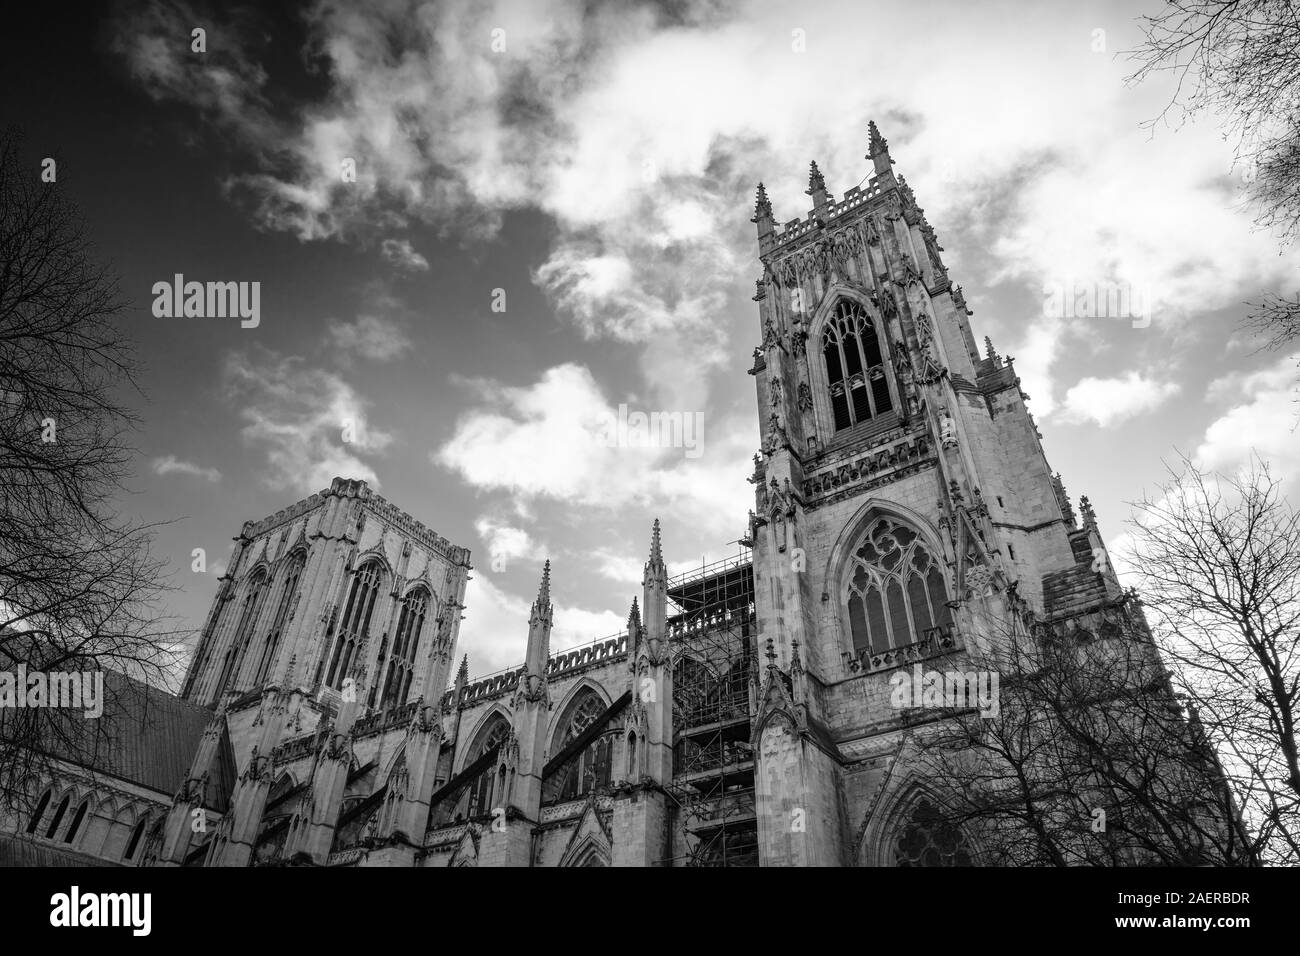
{"x":39,"y":812}
{"x":58,"y":818}
{"x":235,"y":652}
{"x":75,"y":825}
{"x":281,"y":619}
{"x":134,"y":842}
{"x":480,"y":791}
{"x":401,"y":667}
{"x":894,"y":589}
{"x":929,"y":840}
{"x":855,"y":366}
{"x":590,"y":769}
{"x":355,"y":623}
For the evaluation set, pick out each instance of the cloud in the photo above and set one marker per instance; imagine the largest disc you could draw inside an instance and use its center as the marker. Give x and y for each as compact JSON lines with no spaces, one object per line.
{"x":370,"y":336}
{"x":495,"y":631}
{"x":1263,"y":421}
{"x":453,"y":125}
{"x":553,"y":440}
{"x":171,"y":465}
{"x":311,"y":423}
{"x":505,"y":542}
{"x":1109,"y":401}
{"x":401,"y":254}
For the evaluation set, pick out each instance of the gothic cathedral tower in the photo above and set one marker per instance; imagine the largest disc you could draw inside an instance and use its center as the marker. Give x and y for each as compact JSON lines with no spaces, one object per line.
{"x":905,"y":511}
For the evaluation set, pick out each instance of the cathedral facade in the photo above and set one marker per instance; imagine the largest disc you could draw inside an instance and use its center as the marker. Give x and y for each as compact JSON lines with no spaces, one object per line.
{"x":904,"y":513}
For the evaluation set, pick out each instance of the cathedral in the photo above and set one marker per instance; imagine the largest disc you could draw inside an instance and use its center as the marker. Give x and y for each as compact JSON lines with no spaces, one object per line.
{"x":904,"y":513}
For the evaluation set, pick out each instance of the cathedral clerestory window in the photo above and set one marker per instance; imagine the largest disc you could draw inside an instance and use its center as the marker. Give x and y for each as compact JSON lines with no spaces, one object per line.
{"x":855,"y":367}
{"x":894,"y":589}
{"x":480,"y":791}
{"x":590,"y":769}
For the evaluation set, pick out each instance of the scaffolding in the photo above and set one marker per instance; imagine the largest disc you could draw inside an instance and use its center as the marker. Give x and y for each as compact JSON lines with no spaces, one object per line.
{"x":712,"y":626}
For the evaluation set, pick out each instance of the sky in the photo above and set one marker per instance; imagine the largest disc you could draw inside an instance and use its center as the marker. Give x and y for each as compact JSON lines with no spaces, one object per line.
{"x":549,"y":218}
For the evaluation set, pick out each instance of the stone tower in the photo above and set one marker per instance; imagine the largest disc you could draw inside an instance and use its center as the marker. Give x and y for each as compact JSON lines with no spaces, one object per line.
{"x":904,"y":508}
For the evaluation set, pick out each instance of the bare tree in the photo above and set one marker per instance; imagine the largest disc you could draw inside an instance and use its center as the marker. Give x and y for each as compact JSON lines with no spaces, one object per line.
{"x":1219,"y":559}
{"x":78,"y":586}
{"x":1241,"y":60}
{"x":1089,"y":761}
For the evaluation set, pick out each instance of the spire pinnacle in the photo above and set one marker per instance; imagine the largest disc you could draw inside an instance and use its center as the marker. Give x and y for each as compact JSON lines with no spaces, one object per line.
{"x":816,"y":181}
{"x":875,"y":142}
{"x":656,"y":548}
{"x":762,"y":205}
{"x":634,"y":620}
{"x":544,"y":592}
{"x":1089,"y":516}
{"x":462,"y":673}
{"x":877,"y":150}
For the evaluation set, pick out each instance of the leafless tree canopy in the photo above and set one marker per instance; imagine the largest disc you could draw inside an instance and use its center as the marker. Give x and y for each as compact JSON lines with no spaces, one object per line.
{"x":1240,"y":59}
{"x":1220,"y":564}
{"x":78,"y":587}
{"x":1090,"y":761}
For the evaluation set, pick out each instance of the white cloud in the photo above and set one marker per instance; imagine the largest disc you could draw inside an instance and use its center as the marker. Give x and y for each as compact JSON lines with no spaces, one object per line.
{"x":171,"y":465}
{"x":311,"y":424}
{"x":495,"y":631}
{"x":550,"y":441}
{"x":400,"y":253}
{"x":505,"y":543}
{"x":1264,"y":422}
{"x":1109,"y":401}
{"x":370,"y":336}
{"x":641,"y":133}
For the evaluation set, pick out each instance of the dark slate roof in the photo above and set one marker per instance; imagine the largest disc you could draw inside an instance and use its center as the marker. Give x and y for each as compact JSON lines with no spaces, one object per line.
{"x":145,"y":736}
{"x":16,"y":850}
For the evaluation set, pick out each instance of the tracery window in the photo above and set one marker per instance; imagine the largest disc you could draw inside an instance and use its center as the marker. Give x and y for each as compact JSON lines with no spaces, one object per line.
{"x":401,"y":666}
{"x":244,"y":631}
{"x":281,"y":619}
{"x":894,"y":589}
{"x":355,"y":622}
{"x":590,"y":769}
{"x":855,"y":366}
{"x":929,"y":840}
{"x":480,"y":793}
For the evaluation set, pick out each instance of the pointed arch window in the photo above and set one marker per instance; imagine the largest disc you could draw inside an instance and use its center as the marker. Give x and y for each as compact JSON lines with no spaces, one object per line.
{"x":894,"y":589}
{"x":75,"y":825}
{"x":39,"y":811}
{"x":480,"y":791}
{"x":401,"y":666}
{"x":355,"y":623}
{"x":287,"y":593}
{"x":243,"y":632}
{"x":589,"y":770}
{"x":58,"y":818}
{"x":855,"y":367}
{"x":928,"y":839}
{"x":134,"y":842}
